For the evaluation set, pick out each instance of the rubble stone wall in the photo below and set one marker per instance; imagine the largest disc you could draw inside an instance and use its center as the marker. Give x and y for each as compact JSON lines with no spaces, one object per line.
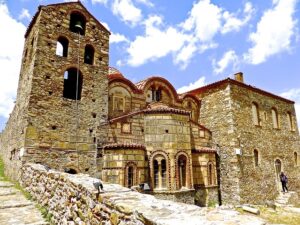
{"x":74,"y":198}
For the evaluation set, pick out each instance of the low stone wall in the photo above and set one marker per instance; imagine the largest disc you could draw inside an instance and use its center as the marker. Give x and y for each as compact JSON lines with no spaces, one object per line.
{"x":73,"y":199}
{"x":187,"y":196}
{"x":207,"y":196}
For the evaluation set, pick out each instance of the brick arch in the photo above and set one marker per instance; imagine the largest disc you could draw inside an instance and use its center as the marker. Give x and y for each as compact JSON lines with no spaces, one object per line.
{"x":188,"y":168}
{"x":167,"y":158}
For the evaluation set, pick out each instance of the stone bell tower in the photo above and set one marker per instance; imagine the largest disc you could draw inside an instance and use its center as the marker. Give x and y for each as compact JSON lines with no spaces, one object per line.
{"x":63,"y":87}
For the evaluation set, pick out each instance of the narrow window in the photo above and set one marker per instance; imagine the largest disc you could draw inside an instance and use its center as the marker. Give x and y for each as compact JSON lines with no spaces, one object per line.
{"x":274,"y":118}
{"x":130,"y":176}
{"x":156,"y":174}
{"x":72,"y":84}
{"x":290,"y":121}
{"x":89,"y":55}
{"x":296,"y":158}
{"x":62,"y":46}
{"x":210,"y":177}
{"x":255,"y":153}
{"x":182,"y":171}
{"x":163,"y":173}
{"x":158,"y":95}
{"x":255,"y":113}
{"x":77,"y":23}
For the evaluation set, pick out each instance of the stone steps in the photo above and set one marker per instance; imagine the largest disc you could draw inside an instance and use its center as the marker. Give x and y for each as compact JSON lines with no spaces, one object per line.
{"x":15,"y":209}
{"x":286,"y":198}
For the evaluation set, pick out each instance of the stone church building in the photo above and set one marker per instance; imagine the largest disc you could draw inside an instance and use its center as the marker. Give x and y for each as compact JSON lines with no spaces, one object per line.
{"x":225,"y":142}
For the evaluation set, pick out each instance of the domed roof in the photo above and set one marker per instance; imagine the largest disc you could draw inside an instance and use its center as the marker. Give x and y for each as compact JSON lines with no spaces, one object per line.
{"x":114,"y":71}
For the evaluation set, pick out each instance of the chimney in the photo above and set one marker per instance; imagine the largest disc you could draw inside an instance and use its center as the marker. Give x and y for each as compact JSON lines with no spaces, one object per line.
{"x":239,"y":77}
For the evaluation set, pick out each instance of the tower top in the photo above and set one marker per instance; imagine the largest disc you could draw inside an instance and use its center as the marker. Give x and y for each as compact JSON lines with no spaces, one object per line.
{"x":63,"y":5}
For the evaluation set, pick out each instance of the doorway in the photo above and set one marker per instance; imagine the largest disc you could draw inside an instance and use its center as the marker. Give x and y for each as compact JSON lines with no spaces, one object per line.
{"x":278,"y":169}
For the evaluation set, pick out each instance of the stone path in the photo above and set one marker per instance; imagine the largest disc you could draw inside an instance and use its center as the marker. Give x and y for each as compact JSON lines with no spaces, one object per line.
{"x":15,"y":209}
{"x":286,"y":199}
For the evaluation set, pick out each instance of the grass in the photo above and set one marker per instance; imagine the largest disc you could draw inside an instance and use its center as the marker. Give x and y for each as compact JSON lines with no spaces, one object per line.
{"x":47,"y":216}
{"x":280,"y":216}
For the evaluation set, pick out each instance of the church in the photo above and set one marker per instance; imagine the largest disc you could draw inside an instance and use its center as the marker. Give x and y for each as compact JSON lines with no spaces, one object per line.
{"x":223,"y":143}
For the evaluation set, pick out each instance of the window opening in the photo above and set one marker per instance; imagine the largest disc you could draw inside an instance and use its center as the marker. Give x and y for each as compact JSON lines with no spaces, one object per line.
{"x":89,"y":55}
{"x":182,"y":171}
{"x":130,"y":175}
{"x":255,"y":152}
{"x":210,"y":174}
{"x":62,"y":46}
{"x":70,"y":83}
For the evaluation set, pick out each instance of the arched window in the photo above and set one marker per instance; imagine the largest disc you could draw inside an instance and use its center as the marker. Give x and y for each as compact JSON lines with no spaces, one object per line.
{"x":89,"y":54}
{"x":210,"y":174}
{"x":62,"y":46}
{"x":160,"y":172}
{"x":290,"y":121}
{"x":72,"y":84}
{"x":274,"y":118}
{"x":255,"y":153}
{"x":182,"y":171}
{"x":77,"y":23}
{"x":255,"y":113}
{"x":296,"y":158}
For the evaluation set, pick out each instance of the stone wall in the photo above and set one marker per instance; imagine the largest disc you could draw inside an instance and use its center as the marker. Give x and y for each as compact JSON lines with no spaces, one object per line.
{"x":73,"y":199}
{"x":227,"y":111}
{"x":216,"y":114}
{"x":272,"y":144}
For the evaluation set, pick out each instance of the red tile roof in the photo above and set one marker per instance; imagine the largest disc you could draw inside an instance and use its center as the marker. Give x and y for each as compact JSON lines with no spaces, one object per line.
{"x":231,"y":81}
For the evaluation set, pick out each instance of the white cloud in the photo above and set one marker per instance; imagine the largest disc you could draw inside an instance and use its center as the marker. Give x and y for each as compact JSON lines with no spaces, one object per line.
{"x":146,"y":2}
{"x":229,"y":58}
{"x":233,"y":23}
{"x":294,"y":94}
{"x":117,"y":38}
{"x":11,"y":45}
{"x":198,"y":83}
{"x":24,"y":14}
{"x":204,"y":20}
{"x":128,"y":12}
{"x":104,"y":2}
{"x":273,"y":32}
{"x":156,"y":43}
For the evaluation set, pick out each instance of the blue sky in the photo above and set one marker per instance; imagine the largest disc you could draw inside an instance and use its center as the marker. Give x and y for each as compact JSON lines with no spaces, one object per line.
{"x":190,"y":42}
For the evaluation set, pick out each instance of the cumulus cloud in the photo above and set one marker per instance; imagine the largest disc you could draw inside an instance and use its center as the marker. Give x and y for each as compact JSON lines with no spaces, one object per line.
{"x":294,"y":94}
{"x":10,"y":58}
{"x":157,"y":42}
{"x":273,"y":32}
{"x":194,"y":35}
{"x":24,"y":14}
{"x":117,"y":38}
{"x":229,"y":58}
{"x":127,"y":11}
{"x":198,"y":83}
{"x":233,"y":23}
